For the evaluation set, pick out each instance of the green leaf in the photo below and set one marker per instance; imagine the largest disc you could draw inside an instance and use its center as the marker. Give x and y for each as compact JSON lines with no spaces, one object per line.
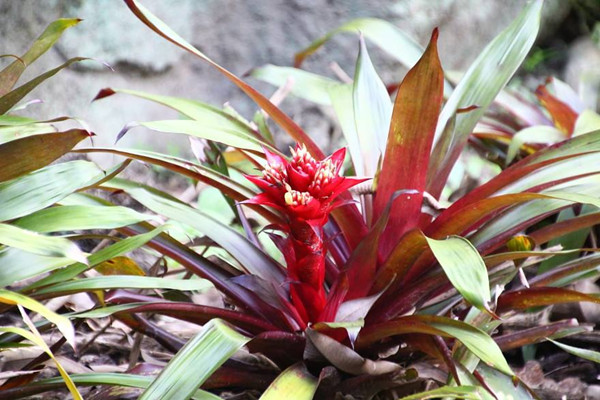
{"x":192,"y":109}
{"x":306,"y":85}
{"x":222,"y":133}
{"x":576,"y":351}
{"x":570,"y":241}
{"x":70,"y":218}
{"x":465,"y":269}
{"x":454,"y":392}
{"x":33,"y":242}
{"x":210,"y":348}
{"x":184,"y":167}
{"x":474,"y":339}
{"x":343,"y":104}
{"x":62,"y":323}
{"x":11,"y":98}
{"x":293,"y":383}
{"x":122,"y":282}
{"x":484,"y":79}
{"x":119,"y":379}
{"x":107,"y":253}
{"x":534,"y":134}
{"x":586,"y":192}
{"x":42,"y":188}
{"x":12,"y":261}
{"x":36,"y":339}
{"x":587,"y":121}
{"x":372,"y":112}
{"x":10,"y":74}
{"x":503,"y":386}
{"x":385,"y":35}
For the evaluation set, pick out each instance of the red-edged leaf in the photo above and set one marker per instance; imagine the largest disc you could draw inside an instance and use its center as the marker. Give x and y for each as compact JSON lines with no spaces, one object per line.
{"x":457,"y":221}
{"x":522,"y":337}
{"x":410,"y":138}
{"x":565,"y":227}
{"x":223,"y":183}
{"x":335,"y":297}
{"x":275,"y":113}
{"x":204,"y":268}
{"x":473,"y":338}
{"x":402,"y":257}
{"x":190,"y":312}
{"x":540,"y":296}
{"x":283,"y":348}
{"x":361,"y":266}
{"x":567,"y":272}
{"x":347,"y":217}
{"x":562,"y":115}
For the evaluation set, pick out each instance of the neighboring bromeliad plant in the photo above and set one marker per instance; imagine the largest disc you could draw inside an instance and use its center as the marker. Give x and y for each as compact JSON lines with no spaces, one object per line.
{"x":380,"y":296}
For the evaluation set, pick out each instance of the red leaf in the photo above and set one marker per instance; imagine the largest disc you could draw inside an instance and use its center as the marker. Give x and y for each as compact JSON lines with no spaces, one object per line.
{"x":562,"y":115}
{"x":410,"y":138}
{"x":540,"y":296}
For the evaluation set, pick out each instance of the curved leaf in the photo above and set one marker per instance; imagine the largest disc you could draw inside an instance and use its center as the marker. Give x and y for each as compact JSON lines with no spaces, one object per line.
{"x":45,"y":187}
{"x":476,"y":340}
{"x":38,"y":341}
{"x":192,"y":109}
{"x":295,"y":382}
{"x":465,"y":269}
{"x":24,"y":155}
{"x":304,"y":84}
{"x":71,"y":218}
{"x":33,"y":242}
{"x":276,"y":114}
{"x":385,"y":35}
{"x":576,"y":351}
{"x":372,"y":112}
{"x":214,"y":131}
{"x":11,"y":98}
{"x":107,"y":253}
{"x":239,"y":247}
{"x":210,"y":348}
{"x":541,"y":296}
{"x":107,"y":378}
{"x":488,"y":74}
{"x":120,"y":282}
{"x":533,"y":134}
{"x":453,"y":392}
{"x":346,"y":359}
{"x":62,"y":323}
{"x":10,"y":74}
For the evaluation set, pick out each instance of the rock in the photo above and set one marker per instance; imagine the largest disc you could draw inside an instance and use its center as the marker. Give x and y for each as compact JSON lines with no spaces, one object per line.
{"x":593,"y":392}
{"x":239,"y":35}
{"x":581,"y":71}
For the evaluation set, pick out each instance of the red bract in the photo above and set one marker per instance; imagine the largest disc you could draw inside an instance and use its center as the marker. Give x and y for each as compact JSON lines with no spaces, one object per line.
{"x":305,"y":191}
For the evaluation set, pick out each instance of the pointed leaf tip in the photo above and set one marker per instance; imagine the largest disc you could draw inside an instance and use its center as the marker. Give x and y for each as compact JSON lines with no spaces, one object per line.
{"x":434,"y":35}
{"x":104,"y":93}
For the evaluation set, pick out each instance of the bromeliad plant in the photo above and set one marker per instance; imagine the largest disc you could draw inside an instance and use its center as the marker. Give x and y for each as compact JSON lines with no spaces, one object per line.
{"x":305,"y":191}
{"x":379,"y":296}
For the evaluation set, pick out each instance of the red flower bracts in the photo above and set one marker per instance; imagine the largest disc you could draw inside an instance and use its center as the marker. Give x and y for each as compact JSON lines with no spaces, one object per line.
{"x":305,"y":191}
